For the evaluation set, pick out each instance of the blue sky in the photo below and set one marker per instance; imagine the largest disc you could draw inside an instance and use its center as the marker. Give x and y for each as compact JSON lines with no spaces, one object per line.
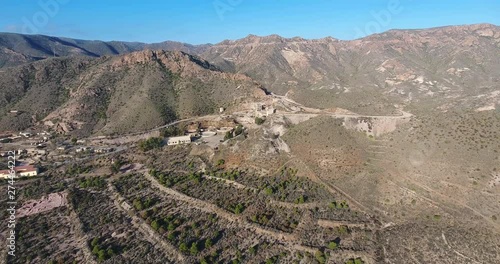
{"x":211,"y":21}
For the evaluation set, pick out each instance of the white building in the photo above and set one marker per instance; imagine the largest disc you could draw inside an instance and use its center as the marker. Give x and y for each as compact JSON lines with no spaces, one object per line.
{"x":103,"y":150}
{"x":83,"y":149}
{"x":63,"y":147}
{"x":44,"y":134}
{"x":270,"y":110}
{"x":262,"y":110}
{"x":26,"y":134}
{"x":178,"y":140}
{"x":21,"y":171}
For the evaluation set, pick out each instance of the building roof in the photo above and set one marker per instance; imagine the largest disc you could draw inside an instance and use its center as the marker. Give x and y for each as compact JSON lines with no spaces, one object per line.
{"x":180,"y":138}
{"x":27,"y":168}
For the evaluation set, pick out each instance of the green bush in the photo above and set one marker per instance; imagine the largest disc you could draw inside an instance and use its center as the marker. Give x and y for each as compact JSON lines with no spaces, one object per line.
{"x":271,"y":260}
{"x":183,"y":247}
{"x":77,"y":169}
{"x":95,"y":182}
{"x":252,"y":250}
{"x":155,"y":225}
{"x":172,"y":131}
{"x":238,"y":209}
{"x":151,"y":143}
{"x":259,"y":121}
{"x":99,"y":252}
{"x":94,"y":242}
{"x":239,"y":130}
{"x":320,"y":257}
{"x":338,"y":205}
{"x":194,"y":248}
{"x":332,"y":245}
{"x":138,"y":205}
{"x":300,"y":200}
{"x":208,"y":243}
{"x":355,"y":261}
{"x":229,"y":135}
{"x":115,"y":167}
{"x":342,"y":230}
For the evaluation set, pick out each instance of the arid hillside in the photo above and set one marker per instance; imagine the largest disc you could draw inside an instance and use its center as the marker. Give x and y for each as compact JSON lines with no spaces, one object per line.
{"x":17,"y":49}
{"x":439,"y":67}
{"x":120,"y":94}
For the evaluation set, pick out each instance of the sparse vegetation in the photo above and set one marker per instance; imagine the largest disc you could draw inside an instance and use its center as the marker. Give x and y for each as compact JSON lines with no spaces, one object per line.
{"x":301,"y":200}
{"x":320,"y":256}
{"x":259,"y":121}
{"x":77,"y":169}
{"x":99,"y":252}
{"x":238,"y":130}
{"x":220,"y":162}
{"x":115,"y":167}
{"x":94,"y":182}
{"x":417,"y":187}
{"x":238,"y":209}
{"x":229,"y":135}
{"x":355,"y":261}
{"x":149,"y":144}
{"x":332,"y":245}
{"x":339,"y":205}
{"x":172,"y":131}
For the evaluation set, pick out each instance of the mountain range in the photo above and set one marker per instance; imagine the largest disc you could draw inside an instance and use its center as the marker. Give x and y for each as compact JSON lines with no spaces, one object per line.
{"x":16,"y":49}
{"x":384,"y":149}
{"x":53,"y":78}
{"x":110,"y":94}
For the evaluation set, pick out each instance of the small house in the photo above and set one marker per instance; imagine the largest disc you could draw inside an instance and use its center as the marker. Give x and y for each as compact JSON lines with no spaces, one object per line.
{"x":21,"y":171}
{"x":26,"y":134}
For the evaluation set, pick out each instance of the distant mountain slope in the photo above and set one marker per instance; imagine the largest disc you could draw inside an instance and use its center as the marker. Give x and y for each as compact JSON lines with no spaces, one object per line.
{"x":16,"y":49}
{"x":438,"y":66}
{"x":118,"y":94}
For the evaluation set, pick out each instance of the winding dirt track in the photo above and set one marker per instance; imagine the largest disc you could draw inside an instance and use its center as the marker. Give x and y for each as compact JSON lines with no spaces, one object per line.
{"x":144,"y":228}
{"x":284,"y":238}
{"x":323,"y":112}
{"x":231,"y":183}
{"x":77,"y":227}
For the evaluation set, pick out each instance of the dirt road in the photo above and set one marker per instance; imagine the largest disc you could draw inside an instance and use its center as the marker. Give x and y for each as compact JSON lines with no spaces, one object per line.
{"x":281,"y":237}
{"x":139,"y":224}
